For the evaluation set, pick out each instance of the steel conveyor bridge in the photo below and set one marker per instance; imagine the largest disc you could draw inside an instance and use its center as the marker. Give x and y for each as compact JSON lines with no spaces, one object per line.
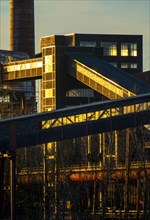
{"x":74,"y":122}
{"x":89,"y":69}
{"x":103,"y":77}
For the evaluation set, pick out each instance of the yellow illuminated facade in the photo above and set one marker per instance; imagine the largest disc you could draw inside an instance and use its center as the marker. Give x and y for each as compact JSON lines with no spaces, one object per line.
{"x":26,"y":65}
{"x":23,"y":69}
{"x":100,"y":83}
{"x":90,"y":116}
{"x":48,"y":83}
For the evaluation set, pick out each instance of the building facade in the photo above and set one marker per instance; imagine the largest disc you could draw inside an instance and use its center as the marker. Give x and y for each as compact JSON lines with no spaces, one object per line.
{"x":122,"y":51}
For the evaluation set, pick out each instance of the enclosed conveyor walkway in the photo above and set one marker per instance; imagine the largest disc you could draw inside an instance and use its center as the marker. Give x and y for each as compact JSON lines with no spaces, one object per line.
{"x":22,"y":70}
{"x":104,"y":78}
{"x":74,"y":122}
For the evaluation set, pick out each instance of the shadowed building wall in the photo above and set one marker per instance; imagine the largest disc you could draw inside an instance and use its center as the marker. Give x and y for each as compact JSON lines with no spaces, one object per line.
{"x":22,"y":26}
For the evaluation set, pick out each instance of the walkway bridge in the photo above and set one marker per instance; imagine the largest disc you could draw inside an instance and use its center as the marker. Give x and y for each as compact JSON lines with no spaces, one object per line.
{"x":103,"y":77}
{"x":89,"y":69}
{"x":74,"y":122}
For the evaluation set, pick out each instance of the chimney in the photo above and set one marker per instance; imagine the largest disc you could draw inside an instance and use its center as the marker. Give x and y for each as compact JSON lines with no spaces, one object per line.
{"x":22,"y":26}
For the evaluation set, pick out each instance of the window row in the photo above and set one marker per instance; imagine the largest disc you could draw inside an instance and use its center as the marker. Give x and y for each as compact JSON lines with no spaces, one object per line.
{"x":111,"y":48}
{"x":80,"y":93}
{"x":126,"y":65}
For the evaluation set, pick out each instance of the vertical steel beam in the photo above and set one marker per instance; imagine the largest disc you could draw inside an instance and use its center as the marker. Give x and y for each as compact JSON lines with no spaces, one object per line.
{"x":12,"y":146}
{"x":138,"y":199}
{"x":1,"y":186}
{"x":45,"y":186}
{"x":89,"y":147}
{"x":12,"y":187}
{"x":127,"y":166}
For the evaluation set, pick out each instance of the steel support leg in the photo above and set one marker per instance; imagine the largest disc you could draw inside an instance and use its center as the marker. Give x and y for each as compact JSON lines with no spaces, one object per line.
{"x":12,"y":187}
{"x":1,"y":186}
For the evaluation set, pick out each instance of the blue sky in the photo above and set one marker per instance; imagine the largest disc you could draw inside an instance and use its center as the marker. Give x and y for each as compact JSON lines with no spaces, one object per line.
{"x":85,"y":16}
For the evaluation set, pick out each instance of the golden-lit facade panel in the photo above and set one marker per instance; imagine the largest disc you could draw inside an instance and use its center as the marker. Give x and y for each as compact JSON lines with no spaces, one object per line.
{"x":23,"y":69}
{"x":96,"y":115}
{"x":23,"y":65}
{"x":100,"y":83}
{"x":48,"y":63}
{"x":48,"y":82}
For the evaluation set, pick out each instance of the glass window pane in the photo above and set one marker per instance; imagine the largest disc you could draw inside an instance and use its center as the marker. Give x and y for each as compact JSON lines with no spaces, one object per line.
{"x":133,"y":65}
{"x":124,"y":49}
{"x":133,"y":49}
{"x":129,"y":49}
{"x":129,"y":65}
{"x":109,"y":48}
{"x":124,"y":65}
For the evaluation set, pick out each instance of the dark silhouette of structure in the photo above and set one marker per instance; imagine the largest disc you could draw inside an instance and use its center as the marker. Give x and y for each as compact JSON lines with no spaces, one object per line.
{"x":109,"y":161}
{"x":103,"y":171}
{"x":22,"y":26}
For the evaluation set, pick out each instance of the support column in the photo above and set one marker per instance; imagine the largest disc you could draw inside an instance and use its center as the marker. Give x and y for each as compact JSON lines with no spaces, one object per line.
{"x":45,"y":182}
{"x":1,"y":186}
{"x":12,"y":187}
{"x":94,"y":197}
{"x":101,"y":150}
{"x":12,"y":155}
{"x":89,"y":149}
{"x":138,"y":199}
{"x":127,"y":166}
{"x":116,"y":148}
{"x":56,"y":182}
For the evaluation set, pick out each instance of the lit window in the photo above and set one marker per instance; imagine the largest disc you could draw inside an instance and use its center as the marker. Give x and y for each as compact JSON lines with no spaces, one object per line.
{"x":124,"y":50}
{"x":129,"y":49}
{"x":134,"y":49}
{"x":109,"y":48}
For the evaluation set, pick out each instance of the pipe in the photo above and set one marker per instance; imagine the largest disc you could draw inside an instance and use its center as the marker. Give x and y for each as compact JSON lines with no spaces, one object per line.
{"x":116,"y":175}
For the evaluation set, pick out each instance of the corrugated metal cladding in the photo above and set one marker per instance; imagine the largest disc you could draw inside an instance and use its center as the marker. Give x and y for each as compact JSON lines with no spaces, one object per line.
{"x":22,"y":26}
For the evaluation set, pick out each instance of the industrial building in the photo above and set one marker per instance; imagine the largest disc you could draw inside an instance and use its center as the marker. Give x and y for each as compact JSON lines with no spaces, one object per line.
{"x":73,"y":76}
{"x":95,"y":162}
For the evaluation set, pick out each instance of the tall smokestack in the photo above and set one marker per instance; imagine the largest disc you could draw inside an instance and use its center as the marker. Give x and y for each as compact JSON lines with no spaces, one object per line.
{"x":22,"y":26}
